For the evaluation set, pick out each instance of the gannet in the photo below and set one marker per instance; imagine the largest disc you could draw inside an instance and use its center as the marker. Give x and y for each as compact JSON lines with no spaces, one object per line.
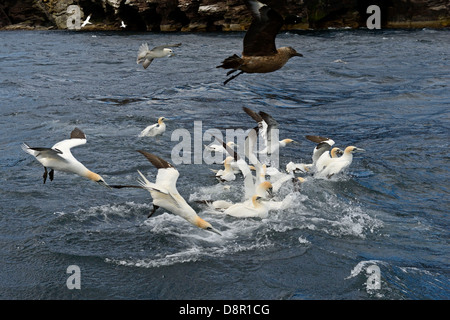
{"x":60,"y":158}
{"x":323,"y":144}
{"x":260,"y":54}
{"x":86,"y":22}
{"x":293,"y":167}
{"x":216,"y":205}
{"x":154,"y":130}
{"x":219,"y":148}
{"x":278,"y":179}
{"x":122,"y":24}
{"x":339,"y":164}
{"x":165,"y":194}
{"x":326,"y":157}
{"x":265,"y":129}
{"x":146,"y":56}
{"x":256,"y":209}
{"x":226,"y":174}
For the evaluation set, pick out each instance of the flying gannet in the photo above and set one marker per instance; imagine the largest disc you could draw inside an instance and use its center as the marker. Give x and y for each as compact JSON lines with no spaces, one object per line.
{"x":267,"y":130}
{"x":86,"y":22}
{"x":146,"y":56}
{"x":218,"y":147}
{"x":154,"y":130}
{"x":60,"y":158}
{"x":260,"y":54}
{"x":165,"y":194}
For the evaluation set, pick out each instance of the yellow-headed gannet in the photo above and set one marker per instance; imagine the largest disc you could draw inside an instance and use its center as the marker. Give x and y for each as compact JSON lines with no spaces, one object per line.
{"x":154,"y":130}
{"x":60,"y":158}
{"x":146,"y":56}
{"x":260,"y":54}
{"x":226,"y":174}
{"x":256,"y":209}
{"x":326,"y":157}
{"x":337,"y":165}
{"x":323,"y":145}
{"x":165,"y":194}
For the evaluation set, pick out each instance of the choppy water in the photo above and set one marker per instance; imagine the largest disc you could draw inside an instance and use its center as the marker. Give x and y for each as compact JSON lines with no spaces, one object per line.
{"x":385,"y":91}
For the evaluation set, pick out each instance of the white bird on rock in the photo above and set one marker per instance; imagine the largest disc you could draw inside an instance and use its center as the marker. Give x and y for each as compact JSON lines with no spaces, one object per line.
{"x":165,"y":194}
{"x":60,"y":158}
{"x":146,"y":56}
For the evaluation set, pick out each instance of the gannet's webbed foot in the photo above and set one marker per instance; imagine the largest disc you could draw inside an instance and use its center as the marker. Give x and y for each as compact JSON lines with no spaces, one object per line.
{"x":235,"y":76}
{"x":45,"y":174}
{"x":153,"y":211}
{"x":51,"y":174}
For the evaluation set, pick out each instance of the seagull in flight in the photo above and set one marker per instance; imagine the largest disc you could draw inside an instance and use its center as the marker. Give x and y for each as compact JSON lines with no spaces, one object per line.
{"x":146,"y":56}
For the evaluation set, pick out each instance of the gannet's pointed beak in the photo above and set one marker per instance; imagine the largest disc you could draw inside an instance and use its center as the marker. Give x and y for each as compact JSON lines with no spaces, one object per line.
{"x":103,"y":183}
{"x":359,"y":150}
{"x":213,"y":230}
{"x":270,"y":192}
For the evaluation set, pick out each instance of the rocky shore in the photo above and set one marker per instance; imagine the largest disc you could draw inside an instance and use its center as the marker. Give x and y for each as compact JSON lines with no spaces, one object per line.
{"x":216,"y":15}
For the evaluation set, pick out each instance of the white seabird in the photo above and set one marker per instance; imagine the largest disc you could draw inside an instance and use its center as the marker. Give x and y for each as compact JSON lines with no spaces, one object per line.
{"x":226,"y":174}
{"x":267,"y":130}
{"x":323,"y":144}
{"x":146,"y":56}
{"x":326,"y":158}
{"x":60,"y":158}
{"x":256,"y":209}
{"x":154,"y":130}
{"x":339,"y":164}
{"x":165,"y":194}
{"x":219,"y":148}
{"x":86,"y":22}
{"x":122,"y":24}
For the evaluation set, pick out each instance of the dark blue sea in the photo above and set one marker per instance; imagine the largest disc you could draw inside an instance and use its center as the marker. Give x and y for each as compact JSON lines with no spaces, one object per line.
{"x":387,"y":91}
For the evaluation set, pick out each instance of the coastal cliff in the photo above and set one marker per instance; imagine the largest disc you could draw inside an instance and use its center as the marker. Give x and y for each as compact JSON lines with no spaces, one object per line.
{"x":214,"y":15}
